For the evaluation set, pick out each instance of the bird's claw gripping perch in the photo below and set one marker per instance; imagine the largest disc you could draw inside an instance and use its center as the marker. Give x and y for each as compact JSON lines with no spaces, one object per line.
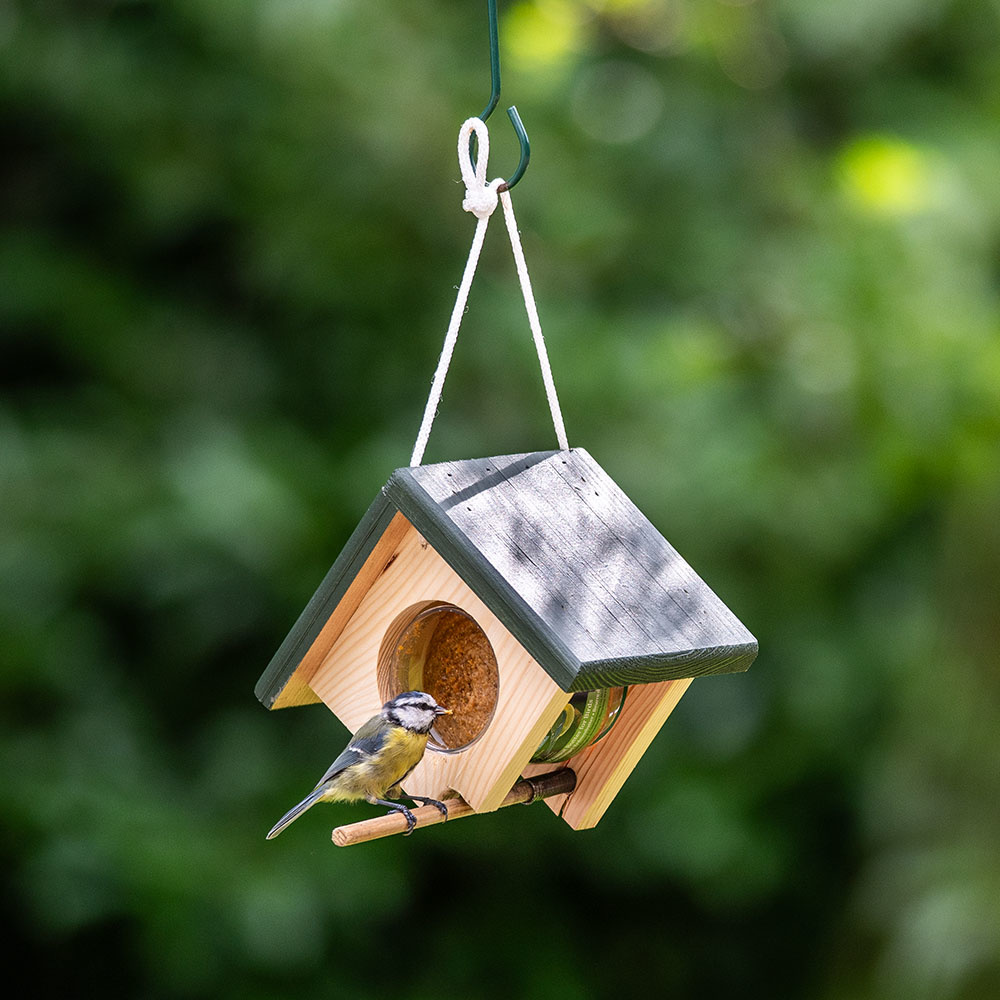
{"x":398,"y":807}
{"x":426,"y":800}
{"x":411,"y":821}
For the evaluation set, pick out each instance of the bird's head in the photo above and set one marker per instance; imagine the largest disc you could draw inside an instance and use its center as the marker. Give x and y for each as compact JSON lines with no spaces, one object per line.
{"x":413,"y":710}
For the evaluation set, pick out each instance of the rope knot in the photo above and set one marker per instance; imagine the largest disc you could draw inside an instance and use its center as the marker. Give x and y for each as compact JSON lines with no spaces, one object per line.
{"x":481,"y":201}
{"x":480,"y":196}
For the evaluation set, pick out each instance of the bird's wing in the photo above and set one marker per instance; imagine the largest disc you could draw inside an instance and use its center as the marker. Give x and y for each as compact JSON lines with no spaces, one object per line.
{"x":365,"y":744}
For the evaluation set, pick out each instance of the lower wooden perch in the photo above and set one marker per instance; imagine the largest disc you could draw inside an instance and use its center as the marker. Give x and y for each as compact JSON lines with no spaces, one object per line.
{"x":541,"y":786}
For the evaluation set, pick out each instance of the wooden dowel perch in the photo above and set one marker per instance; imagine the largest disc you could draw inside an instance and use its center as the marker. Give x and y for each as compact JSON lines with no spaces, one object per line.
{"x":541,"y":786}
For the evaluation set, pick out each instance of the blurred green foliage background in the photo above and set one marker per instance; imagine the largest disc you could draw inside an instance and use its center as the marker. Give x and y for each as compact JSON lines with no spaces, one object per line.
{"x":764,"y":240}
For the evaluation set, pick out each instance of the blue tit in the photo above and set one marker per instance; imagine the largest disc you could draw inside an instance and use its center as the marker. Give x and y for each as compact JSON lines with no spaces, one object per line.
{"x":378,"y":758}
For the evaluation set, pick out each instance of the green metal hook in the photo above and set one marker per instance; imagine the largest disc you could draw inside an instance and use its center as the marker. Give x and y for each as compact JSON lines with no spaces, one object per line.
{"x":494,"y":60}
{"x":515,"y":118}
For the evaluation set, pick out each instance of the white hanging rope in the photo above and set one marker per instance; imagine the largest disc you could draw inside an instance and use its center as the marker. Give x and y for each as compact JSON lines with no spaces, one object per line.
{"x":481,"y":199}
{"x":533,"y":322}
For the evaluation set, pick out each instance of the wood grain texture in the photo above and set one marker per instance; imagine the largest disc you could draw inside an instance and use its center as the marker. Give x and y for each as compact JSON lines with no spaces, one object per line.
{"x":573,"y":568}
{"x":376,"y":563}
{"x":602,"y":769}
{"x":285,"y":682}
{"x":461,"y":552}
{"x":296,"y":691}
{"x":528,"y":703}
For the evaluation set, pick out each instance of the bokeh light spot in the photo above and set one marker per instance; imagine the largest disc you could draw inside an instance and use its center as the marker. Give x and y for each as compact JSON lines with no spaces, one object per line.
{"x":886,"y":175}
{"x":617,"y":102}
{"x":542,"y":35}
{"x":656,"y":26}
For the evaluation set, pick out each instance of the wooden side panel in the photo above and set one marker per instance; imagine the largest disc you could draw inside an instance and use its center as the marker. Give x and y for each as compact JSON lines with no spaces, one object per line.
{"x":295,"y":692}
{"x":297,"y":689}
{"x":601,"y":770}
{"x":529,"y":700}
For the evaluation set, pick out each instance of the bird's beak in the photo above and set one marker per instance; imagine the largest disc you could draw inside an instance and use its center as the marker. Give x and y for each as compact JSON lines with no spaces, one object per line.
{"x":441,"y":710}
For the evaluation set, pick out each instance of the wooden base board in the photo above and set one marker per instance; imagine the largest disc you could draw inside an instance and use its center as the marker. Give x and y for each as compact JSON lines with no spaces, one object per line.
{"x":601,"y":770}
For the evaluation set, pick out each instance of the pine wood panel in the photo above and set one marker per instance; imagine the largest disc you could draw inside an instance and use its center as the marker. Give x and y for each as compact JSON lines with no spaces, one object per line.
{"x":339,"y":606}
{"x":295,"y":692}
{"x":529,"y":700}
{"x":601,"y":770}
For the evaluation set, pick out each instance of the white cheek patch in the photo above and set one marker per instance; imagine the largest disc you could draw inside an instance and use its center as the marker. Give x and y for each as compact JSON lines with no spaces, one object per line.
{"x":411,"y":716}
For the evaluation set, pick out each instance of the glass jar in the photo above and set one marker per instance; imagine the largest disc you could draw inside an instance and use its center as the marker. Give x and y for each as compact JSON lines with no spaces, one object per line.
{"x":587,"y":718}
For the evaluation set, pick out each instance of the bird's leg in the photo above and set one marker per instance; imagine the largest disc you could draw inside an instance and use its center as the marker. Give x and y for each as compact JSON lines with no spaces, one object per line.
{"x":397,"y":791}
{"x":397,"y":807}
{"x":428,"y":801}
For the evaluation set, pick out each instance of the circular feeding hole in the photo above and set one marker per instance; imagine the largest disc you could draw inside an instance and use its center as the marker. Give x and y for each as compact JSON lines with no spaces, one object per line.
{"x":440,"y":649}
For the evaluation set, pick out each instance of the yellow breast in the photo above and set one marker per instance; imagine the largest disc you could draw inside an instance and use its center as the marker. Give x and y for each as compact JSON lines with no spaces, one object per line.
{"x":373,"y":777}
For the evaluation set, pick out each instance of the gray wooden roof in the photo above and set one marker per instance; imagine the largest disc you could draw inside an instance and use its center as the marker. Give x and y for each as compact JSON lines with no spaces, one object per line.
{"x":563,"y":558}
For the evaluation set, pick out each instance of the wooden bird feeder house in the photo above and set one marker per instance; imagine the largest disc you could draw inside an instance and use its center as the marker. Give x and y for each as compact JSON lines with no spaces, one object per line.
{"x":508,"y":588}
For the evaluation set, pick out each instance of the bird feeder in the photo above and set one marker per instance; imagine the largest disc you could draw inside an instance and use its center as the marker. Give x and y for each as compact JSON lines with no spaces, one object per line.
{"x":528,"y":594}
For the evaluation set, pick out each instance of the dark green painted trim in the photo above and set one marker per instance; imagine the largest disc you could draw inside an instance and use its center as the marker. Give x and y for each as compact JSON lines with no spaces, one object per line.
{"x":650,"y":669}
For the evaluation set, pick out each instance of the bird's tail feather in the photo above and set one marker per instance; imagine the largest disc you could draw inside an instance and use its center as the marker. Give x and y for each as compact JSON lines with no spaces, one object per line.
{"x":296,"y":811}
